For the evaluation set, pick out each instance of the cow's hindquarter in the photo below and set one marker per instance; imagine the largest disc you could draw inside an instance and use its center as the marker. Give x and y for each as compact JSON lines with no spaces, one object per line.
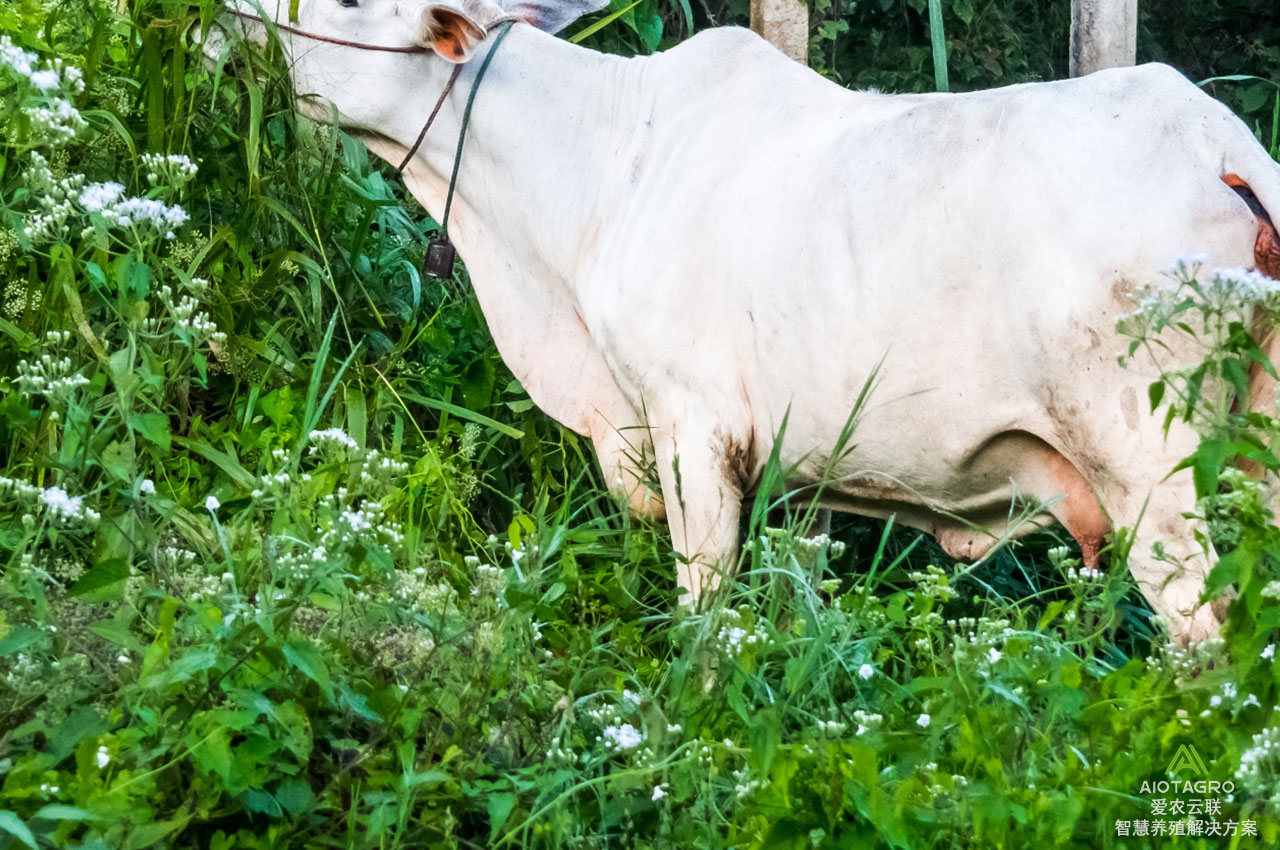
{"x":1099,"y":410}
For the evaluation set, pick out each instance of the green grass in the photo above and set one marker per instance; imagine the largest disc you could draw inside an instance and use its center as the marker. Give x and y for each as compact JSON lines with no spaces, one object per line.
{"x":333,"y":581}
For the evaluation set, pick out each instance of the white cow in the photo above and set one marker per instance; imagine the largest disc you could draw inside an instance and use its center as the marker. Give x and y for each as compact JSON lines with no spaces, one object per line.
{"x":675,"y":251}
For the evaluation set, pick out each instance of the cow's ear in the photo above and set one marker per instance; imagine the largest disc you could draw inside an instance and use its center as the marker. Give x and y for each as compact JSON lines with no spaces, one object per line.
{"x":449,"y":32}
{"x":552,"y":15}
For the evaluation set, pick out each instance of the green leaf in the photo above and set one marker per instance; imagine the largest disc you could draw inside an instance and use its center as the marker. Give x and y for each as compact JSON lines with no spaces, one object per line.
{"x":1211,"y":457}
{"x":224,"y":461}
{"x":463,"y":413}
{"x":1155,"y":393}
{"x":500,"y":806}
{"x":357,"y":704}
{"x":1256,"y":96}
{"x":357,"y":414}
{"x":117,"y":458}
{"x":151,"y":834}
{"x":1004,"y":691}
{"x":591,"y":30}
{"x":104,"y":575}
{"x":307,"y":658}
{"x":426,"y":777}
{"x":190,"y":664}
{"x":54,"y":811}
{"x":649,"y":28}
{"x":212,"y":752}
{"x":296,"y":797}
{"x":10,"y":823}
{"x":153,"y":426}
{"x":117,"y":633}
{"x":257,"y":800}
{"x":18,"y":639}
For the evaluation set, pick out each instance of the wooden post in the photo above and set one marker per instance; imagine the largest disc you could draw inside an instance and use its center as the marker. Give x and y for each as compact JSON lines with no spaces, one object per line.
{"x":784,"y":24}
{"x":1104,"y":34}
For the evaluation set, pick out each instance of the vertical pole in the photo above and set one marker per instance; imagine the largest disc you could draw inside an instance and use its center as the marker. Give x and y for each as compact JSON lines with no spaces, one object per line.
{"x":784,"y":24}
{"x":1104,"y":34}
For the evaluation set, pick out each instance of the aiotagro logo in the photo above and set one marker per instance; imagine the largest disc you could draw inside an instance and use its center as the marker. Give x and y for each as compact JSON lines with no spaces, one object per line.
{"x":1186,"y":806}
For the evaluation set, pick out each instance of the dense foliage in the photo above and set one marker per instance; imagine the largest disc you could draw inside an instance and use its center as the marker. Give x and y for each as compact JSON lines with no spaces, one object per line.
{"x":287,"y":559}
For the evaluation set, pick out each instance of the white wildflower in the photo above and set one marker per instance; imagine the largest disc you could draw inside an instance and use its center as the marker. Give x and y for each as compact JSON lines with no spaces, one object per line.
{"x":46,"y":79}
{"x":98,"y":196}
{"x":65,"y":506}
{"x":624,"y":737}
{"x":866,"y":671}
{"x":103,"y":757}
{"x":212,"y":504}
{"x":334,"y":436}
{"x":923,"y":721}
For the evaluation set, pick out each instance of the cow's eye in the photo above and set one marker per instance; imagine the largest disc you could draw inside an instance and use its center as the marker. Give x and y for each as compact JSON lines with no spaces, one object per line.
{"x":350,"y":3}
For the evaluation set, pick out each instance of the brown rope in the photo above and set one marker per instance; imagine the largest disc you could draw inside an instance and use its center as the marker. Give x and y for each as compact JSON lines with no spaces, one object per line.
{"x":413,"y":48}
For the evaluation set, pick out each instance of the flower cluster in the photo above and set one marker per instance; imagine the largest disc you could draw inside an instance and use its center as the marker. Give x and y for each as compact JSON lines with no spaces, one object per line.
{"x":190,"y":324}
{"x":67,"y":199}
{"x":20,"y":299}
{"x":331,"y":441}
{"x":170,"y":171}
{"x":867,"y":721}
{"x":65,"y":508}
{"x":56,"y":198}
{"x":62,"y":507}
{"x":49,"y":376}
{"x":1225,"y":291}
{"x":933,"y":582}
{"x":1259,"y":771}
{"x":743,"y":784}
{"x":1229,"y":696}
{"x":417,"y":591}
{"x":489,"y":580}
{"x":736,"y":634}
{"x":621,"y":737}
{"x":1186,"y":662}
{"x":1243,"y":501}
{"x":49,"y":84}
{"x":134,"y":213}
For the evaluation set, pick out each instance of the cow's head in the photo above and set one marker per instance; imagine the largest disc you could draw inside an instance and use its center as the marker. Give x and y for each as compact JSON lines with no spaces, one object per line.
{"x":370,"y":88}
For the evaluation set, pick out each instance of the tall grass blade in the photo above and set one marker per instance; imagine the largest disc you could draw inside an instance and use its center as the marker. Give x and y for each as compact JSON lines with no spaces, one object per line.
{"x":938,"y":38}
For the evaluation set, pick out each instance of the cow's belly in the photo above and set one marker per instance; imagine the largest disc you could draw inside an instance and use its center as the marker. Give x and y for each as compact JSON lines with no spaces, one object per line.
{"x":967,"y":495}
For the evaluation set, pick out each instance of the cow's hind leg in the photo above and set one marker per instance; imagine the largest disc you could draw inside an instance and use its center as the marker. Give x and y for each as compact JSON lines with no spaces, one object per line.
{"x":702,"y":492}
{"x":1169,"y":564}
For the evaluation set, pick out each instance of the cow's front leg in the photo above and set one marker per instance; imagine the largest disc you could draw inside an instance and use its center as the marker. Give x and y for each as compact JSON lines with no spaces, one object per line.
{"x":703,"y":498}
{"x":625,"y":452}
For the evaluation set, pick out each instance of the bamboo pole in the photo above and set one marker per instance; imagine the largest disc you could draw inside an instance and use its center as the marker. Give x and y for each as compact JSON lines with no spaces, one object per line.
{"x":1104,"y":34}
{"x":784,"y":24}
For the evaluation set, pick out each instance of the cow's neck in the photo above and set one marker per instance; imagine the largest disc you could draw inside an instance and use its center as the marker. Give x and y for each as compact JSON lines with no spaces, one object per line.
{"x":550,"y":124}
